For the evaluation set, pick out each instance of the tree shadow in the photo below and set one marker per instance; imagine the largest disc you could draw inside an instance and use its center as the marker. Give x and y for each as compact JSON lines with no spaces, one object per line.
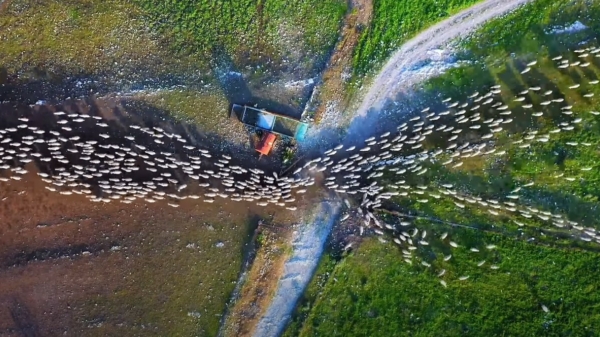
{"x":500,"y":184}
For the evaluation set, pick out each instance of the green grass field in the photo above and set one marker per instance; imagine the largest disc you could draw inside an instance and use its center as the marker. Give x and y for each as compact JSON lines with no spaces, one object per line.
{"x":73,"y":37}
{"x":527,"y":30}
{"x":90,"y":36}
{"x":374,"y":293}
{"x":394,"y":22}
{"x":495,"y":176}
{"x":542,"y":162}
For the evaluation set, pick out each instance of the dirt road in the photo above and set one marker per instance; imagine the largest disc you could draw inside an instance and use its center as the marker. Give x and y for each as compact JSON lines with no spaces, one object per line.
{"x":391,"y":79}
{"x":395,"y":77}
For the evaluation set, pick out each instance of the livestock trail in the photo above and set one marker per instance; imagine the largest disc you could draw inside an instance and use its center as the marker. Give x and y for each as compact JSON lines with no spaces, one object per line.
{"x":106,"y":159}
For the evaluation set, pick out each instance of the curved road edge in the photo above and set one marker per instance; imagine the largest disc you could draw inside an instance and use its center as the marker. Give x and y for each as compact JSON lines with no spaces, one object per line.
{"x":386,"y":84}
{"x":308,"y":244}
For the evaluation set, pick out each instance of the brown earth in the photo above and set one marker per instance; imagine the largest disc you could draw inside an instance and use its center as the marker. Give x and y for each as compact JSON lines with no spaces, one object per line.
{"x":43,"y":236}
{"x":71,"y":266}
{"x":333,"y":86}
{"x":4,"y":4}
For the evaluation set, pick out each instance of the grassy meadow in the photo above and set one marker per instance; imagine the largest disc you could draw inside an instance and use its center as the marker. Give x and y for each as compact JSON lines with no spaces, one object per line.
{"x":546,"y":164}
{"x":206,"y":49}
{"x":543,"y":162}
{"x":90,"y":36}
{"x":373,"y":292}
{"x":53,"y":38}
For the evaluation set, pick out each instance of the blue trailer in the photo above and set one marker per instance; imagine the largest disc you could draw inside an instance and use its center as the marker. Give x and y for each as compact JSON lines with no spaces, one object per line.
{"x":270,"y":121}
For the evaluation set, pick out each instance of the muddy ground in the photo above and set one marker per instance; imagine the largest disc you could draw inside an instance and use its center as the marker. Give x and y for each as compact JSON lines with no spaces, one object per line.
{"x":71,"y":266}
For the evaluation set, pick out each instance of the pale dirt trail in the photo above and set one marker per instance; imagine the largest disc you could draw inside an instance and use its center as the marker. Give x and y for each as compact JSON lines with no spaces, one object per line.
{"x":390,"y":80}
{"x":395,"y":77}
{"x":426,"y":55}
{"x":308,"y":244}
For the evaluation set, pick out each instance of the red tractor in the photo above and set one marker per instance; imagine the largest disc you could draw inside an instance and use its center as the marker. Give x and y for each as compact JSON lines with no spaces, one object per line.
{"x":266,"y":143}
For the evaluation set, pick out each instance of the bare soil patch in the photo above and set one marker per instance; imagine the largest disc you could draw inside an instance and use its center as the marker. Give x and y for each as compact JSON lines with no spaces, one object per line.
{"x":261,"y":281}
{"x":338,"y":71}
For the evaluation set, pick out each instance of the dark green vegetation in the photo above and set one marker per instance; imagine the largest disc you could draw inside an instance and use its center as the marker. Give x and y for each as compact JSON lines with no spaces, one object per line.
{"x":396,"y":21}
{"x":374,"y":293}
{"x":525,"y":31}
{"x":257,"y":31}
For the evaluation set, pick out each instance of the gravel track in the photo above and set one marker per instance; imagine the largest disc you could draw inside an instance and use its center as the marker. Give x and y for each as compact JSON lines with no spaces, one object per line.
{"x":395,"y":77}
{"x":307,"y":249}
{"x":391,"y":79}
